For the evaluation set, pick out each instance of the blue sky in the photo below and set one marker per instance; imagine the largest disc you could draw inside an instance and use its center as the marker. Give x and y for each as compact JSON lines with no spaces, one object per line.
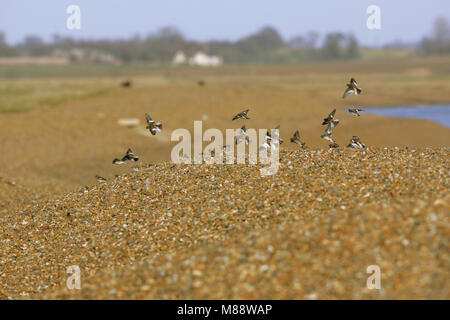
{"x":212,"y":19}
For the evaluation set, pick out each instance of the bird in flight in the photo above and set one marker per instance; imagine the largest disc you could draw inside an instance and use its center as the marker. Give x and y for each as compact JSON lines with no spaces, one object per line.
{"x":334,"y":145}
{"x":355,"y":111}
{"x":276,"y":137}
{"x":328,"y":137}
{"x":355,"y":142}
{"x":296,"y":139}
{"x":242,"y":135}
{"x":330,"y":122}
{"x":242,"y":115}
{"x":352,"y":87}
{"x":152,"y":126}
{"x":129,"y":156}
{"x":331,"y":125}
{"x":100,"y":179}
{"x":330,"y":117}
{"x":270,"y":141}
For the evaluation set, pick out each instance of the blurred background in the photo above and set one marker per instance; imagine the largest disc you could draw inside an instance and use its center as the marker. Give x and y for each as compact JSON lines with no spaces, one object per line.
{"x":65,"y":112}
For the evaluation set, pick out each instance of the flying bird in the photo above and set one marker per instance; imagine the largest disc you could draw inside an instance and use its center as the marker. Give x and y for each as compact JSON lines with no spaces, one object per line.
{"x":129,"y":156}
{"x":355,"y":111}
{"x":296,"y":139}
{"x":152,"y":126}
{"x":334,"y":145}
{"x":331,"y":126}
{"x":242,"y":135}
{"x":327,"y":137}
{"x":100,"y":179}
{"x":277,"y":137}
{"x":355,"y":142}
{"x":330,"y":117}
{"x":352,"y":87}
{"x":242,"y":115}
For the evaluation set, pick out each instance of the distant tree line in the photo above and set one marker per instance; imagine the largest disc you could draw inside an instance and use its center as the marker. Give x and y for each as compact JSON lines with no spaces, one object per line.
{"x":439,"y":42}
{"x":265,"y":46}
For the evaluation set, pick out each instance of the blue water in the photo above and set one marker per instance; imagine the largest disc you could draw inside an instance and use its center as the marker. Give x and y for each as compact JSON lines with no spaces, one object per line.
{"x":437,"y":113}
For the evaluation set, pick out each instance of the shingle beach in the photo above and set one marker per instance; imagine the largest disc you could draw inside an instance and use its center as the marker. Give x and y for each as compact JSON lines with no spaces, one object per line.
{"x":169,"y":231}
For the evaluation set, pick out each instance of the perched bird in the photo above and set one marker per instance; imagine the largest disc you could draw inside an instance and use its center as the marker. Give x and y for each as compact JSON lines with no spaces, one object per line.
{"x":153,"y":126}
{"x":100,"y":179}
{"x":352,"y":87}
{"x":330,"y":117}
{"x":129,"y":156}
{"x":355,"y":142}
{"x":126,"y":84}
{"x":296,"y":139}
{"x":242,"y":115}
{"x":355,"y":111}
{"x":242,"y":135}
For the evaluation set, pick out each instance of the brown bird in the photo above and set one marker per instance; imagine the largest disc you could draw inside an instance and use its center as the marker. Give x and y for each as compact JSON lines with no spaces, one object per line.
{"x":152,"y":126}
{"x":355,"y":111}
{"x":355,"y":142}
{"x":330,"y":117}
{"x":269,"y":137}
{"x":334,"y":145}
{"x":129,"y":156}
{"x":242,"y":135}
{"x":352,"y":87}
{"x":100,"y":179}
{"x":242,"y":115}
{"x":296,"y":139}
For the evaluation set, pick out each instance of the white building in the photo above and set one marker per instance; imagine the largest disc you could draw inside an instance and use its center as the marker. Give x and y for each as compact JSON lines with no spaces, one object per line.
{"x":203,"y":60}
{"x":179,"y":58}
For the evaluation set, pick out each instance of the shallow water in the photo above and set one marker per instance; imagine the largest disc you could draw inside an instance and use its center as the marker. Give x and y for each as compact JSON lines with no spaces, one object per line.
{"x":437,"y":113}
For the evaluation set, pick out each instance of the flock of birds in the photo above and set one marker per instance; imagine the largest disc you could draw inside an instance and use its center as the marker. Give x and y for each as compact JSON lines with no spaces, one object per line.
{"x":329,"y":121}
{"x":270,"y":142}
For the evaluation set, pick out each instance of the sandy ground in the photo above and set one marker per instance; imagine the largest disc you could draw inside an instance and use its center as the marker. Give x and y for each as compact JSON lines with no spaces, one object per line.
{"x":64,"y":147}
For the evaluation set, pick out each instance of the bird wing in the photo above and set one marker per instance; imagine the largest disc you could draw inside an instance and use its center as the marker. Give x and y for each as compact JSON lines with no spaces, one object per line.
{"x":331,"y":115}
{"x":148,"y":118}
{"x":347,"y":92}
